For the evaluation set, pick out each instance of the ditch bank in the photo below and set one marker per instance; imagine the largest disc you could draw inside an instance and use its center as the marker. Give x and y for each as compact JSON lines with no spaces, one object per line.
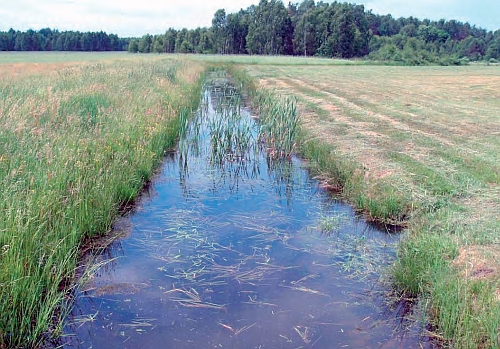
{"x":234,"y":245}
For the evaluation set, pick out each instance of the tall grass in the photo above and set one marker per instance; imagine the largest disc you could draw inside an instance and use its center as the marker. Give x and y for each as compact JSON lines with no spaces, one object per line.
{"x":75,"y":146}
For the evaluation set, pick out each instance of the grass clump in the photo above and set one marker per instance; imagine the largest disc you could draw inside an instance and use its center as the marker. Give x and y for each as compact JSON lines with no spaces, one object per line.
{"x":75,"y":146}
{"x":278,"y":116}
{"x":330,"y":224}
{"x":279,"y":123}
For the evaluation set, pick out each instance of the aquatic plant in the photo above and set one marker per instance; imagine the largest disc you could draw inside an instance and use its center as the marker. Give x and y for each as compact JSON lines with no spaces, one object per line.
{"x":330,"y":224}
{"x":279,"y":123}
{"x":232,"y":136}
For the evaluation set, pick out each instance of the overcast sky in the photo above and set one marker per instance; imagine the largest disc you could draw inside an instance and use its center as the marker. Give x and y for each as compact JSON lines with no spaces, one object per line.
{"x":136,"y":18}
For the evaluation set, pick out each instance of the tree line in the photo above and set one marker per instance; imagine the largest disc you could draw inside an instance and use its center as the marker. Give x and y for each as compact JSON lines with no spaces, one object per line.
{"x":309,"y":28}
{"x":334,"y":29}
{"x":54,"y":40}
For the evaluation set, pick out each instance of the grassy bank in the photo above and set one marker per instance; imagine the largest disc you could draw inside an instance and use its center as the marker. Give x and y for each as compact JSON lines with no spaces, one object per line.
{"x":76,"y":143}
{"x":418,"y":147}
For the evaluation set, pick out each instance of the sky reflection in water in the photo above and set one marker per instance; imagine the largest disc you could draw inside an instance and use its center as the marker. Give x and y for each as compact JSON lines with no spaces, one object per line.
{"x":234,"y":254}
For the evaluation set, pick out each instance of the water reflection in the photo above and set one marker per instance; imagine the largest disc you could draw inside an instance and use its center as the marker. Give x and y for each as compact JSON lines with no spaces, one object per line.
{"x":234,"y":250}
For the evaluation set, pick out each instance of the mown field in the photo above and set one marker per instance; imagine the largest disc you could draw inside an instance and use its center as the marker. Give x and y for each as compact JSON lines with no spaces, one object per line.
{"x":419,"y":147}
{"x":413,"y":146}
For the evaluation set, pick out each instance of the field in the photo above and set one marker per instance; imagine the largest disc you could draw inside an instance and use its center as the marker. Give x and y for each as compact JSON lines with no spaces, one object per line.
{"x":417,"y":147}
{"x":77,"y":143}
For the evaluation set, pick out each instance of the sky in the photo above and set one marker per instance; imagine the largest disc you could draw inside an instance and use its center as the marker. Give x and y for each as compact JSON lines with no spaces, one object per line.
{"x":136,"y":18}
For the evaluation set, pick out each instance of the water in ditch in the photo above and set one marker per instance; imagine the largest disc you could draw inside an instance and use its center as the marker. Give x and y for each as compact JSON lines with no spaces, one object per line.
{"x":230,"y":249}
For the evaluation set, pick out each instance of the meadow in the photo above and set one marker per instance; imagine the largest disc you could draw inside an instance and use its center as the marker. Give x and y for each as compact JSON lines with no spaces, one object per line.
{"x":416,"y":147}
{"x":77,"y":143}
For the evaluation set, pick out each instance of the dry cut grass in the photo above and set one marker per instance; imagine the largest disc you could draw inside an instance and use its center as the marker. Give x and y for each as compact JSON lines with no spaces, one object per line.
{"x":433,"y":130}
{"x":430,"y":137}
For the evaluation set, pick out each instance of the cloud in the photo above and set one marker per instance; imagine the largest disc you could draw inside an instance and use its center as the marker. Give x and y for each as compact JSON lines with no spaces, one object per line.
{"x":126,"y":18}
{"x":136,"y":18}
